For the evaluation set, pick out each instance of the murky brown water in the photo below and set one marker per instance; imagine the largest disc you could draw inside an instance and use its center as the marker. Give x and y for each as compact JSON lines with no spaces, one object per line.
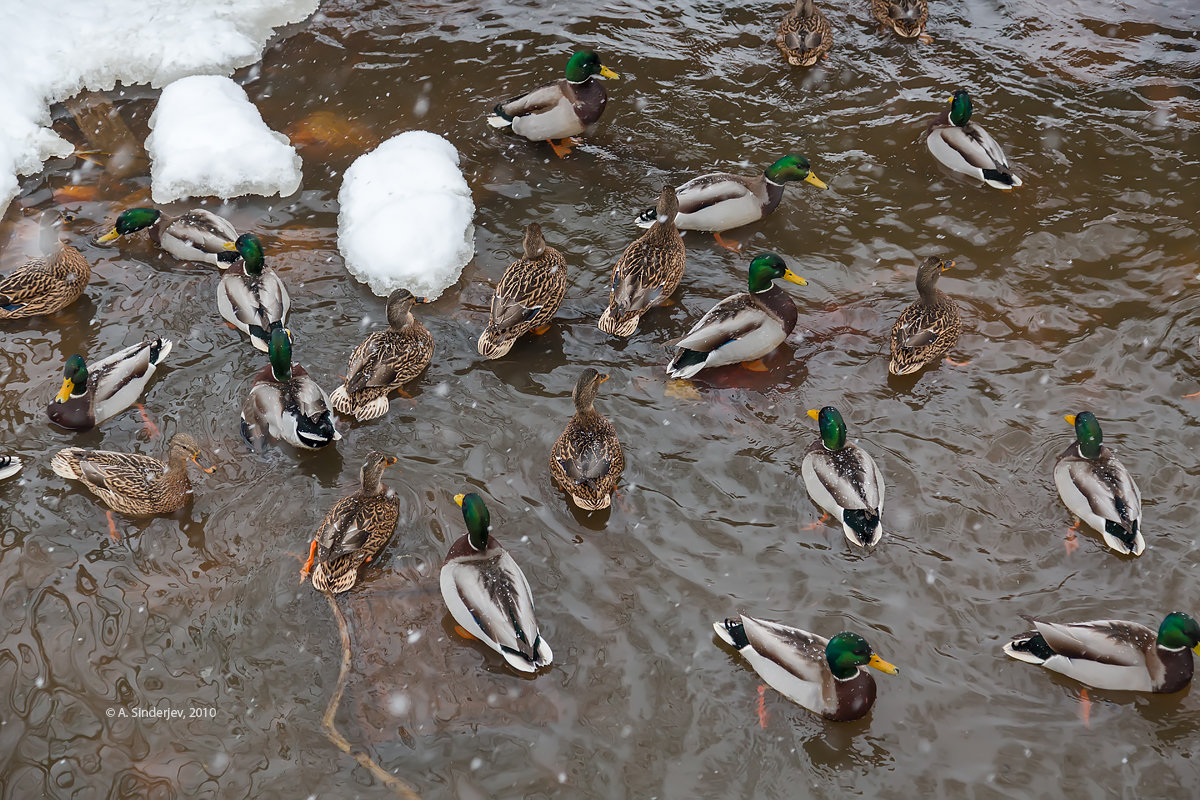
{"x":1078,"y":292}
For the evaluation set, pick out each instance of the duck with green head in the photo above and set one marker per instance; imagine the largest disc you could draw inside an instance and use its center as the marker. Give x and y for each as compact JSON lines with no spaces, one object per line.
{"x":743,"y":327}
{"x":721,"y":201}
{"x":826,"y":676}
{"x":963,"y":146}
{"x":1113,"y":654}
{"x":251,"y":297}
{"x":1096,"y":487}
{"x":560,"y":109}
{"x":91,"y":394}
{"x":286,"y":403}
{"x":488,"y":595}
{"x":844,"y":480}
{"x":198,"y":235}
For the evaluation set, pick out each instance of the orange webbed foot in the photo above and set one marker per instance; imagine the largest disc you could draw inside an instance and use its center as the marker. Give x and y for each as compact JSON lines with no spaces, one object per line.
{"x":462,"y":632}
{"x":819,"y":523}
{"x":563,"y":148}
{"x":728,"y":244}
{"x":761,"y":706}
{"x":756,"y":365}
{"x":151,"y":428}
{"x":541,"y":329}
{"x":113,"y":533}
{"x":312,"y":556}
{"x":954,"y":363}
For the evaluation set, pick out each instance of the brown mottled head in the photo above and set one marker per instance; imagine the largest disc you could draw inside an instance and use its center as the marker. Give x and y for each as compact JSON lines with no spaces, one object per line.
{"x":668,"y":205}
{"x":927,"y":275}
{"x":371,"y":473}
{"x":535,"y":243}
{"x":399,"y":308}
{"x":586,"y":389}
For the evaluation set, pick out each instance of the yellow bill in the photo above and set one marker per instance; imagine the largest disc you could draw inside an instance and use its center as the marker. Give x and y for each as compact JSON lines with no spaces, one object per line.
{"x":1070,"y":418}
{"x":64,"y":393}
{"x":881,"y":665}
{"x":603,"y":378}
{"x":605,"y":72}
{"x":458,"y":498}
{"x":229,"y":246}
{"x":815,"y":181}
{"x":1196,"y":649}
{"x":812,"y":412}
{"x":947,"y":265}
{"x":792,"y":277}
{"x":111,"y":236}
{"x":389,"y":460}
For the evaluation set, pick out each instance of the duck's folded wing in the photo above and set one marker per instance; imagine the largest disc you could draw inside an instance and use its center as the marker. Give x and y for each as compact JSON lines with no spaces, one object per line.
{"x":1109,"y":489}
{"x":849,"y":475}
{"x":495,"y":592}
{"x":708,"y":190}
{"x":1108,"y":641}
{"x":540,"y":99}
{"x":732,"y":318}
{"x":799,"y":652}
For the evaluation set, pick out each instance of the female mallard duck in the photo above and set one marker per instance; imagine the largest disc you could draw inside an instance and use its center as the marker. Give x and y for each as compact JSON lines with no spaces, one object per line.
{"x":906,"y":17}
{"x":843,"y":480}
{"x":648,"y":272}
{"x":251,"y":297}
{"x":285,"y":403}
{"x":129,"y":483}
{"x":1097,"y":488}
{"x":9,"y":466}
{"x":90,"y":395}
{"x":560,"y":109}
{"x":1112,"y":654}
{"x":743,"y":327}
{"x":354,"y":530}
{"x":965,"y":147}
{"x":198,"y":235}
{"x":587,"y":461}
{"x":928,"y":329}
{"x":804,"y":34}
{"x":826,"y":676}
{"x":721,"y":201}
{"x":528,"y":297}
{"x":385,"y":361}
{"x":487,"y":593}
{"x":44,"y":285}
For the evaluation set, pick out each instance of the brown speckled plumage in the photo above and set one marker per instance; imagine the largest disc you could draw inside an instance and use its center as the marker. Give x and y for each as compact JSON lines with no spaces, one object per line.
{"x":355,"y":529}
{"x":131,"y":483}
{"x":44,"y":285}
{"x":928,"y":329}
{"x":648,"y":272}
{"x":906,"y":17}
{"x":528,"y":297}
{"x":587,"y":460}
{"x":804,"y":34}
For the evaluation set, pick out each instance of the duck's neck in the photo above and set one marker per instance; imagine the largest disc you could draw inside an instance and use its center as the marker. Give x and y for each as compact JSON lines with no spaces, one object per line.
{"x":780,"y":303}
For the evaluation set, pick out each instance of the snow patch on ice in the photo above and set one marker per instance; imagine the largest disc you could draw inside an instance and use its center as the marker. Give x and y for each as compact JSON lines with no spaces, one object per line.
{"x":207,"y":138}
{"x":405,"y":218}
{"x":53,"y":49}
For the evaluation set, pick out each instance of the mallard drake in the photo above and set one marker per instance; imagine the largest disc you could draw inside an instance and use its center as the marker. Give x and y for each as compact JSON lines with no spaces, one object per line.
{"x":843,"y":480}
{"x":743,"y":327}
{"x":804,"y":34}
{"x":587,"y":461}
{"x":487,"y":593}
{"x":198,"y":235}
{"x":90,"y":395}
{"x":130,"y":483}
{"x":648,"y":272}
{"x":528,"y":297}
{"x":560,"y":109}
{"x":721,"y":201}
{"x":9,"y":466}
{"x":354,"y":530}
{"x":965,"y":147}
{"x":44,"y":285}
{"x":285,"y":403}
{"x":906,"y":17}
{"x":385,"y":361}
{"x":1097,"y":488}
{"x":826,"y":676}
{"x":251,"y":297}
{"x":928,"y":329}
{"x":1112,"y":654}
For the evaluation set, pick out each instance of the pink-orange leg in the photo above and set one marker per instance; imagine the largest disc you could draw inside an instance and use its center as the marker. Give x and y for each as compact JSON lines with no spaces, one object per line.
{"x":819,"y":523}
{"x":113,"y":533}
{"x":756,"y":365}
{"x":1072,"y":542}
{"x":563,"y":148}
{"x":541,"y":329}
{"x":728,"y":244}
{"x":312,"y":556}
{"x":461,"y":632}
{"x":954,"y":363}
{"x":1085,"y":708}
{"x":148,"y":423}
{"x":761,"y":706}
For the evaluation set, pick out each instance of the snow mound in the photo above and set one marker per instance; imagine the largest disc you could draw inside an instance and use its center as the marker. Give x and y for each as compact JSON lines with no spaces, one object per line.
{"x":207,"y":138}
{"x":405,"y":218}
{"x":53,"y":49}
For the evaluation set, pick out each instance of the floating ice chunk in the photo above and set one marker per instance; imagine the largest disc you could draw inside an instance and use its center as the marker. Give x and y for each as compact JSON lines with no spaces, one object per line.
{"x":405,"y":218}
{"x":55,"y":48}
{"x":207,"y":138}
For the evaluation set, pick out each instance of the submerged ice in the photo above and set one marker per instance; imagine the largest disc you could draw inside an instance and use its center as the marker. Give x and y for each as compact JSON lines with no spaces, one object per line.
{"x":405,"y":218}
